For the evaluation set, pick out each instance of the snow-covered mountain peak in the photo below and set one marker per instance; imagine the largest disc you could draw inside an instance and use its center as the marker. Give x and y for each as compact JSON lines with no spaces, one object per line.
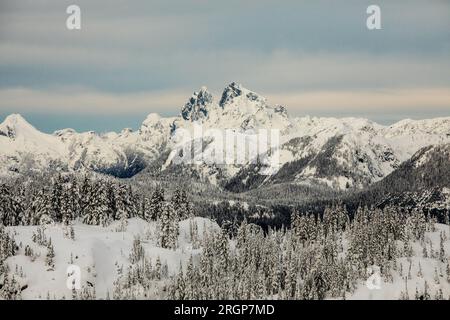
{"x":153,"y":132}
{"x":15,"y":125}
{"x":198,"y":105}
{"x":426,"y":126}
{"x":152,"y":118}
{"x":65,"y":134}
{"x":14,"y":119}
{"x":155,"y":124}
{"x":236,"y":95}
{"x":244,"y":109}
{"x":23,"y":148}
{"x":126,"y":132}
{"x":231,"y":91}
{"x":279,"y":109}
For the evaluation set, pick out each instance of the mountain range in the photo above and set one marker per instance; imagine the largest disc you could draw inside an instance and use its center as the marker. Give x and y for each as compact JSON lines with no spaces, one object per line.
{"x":339,"y":153}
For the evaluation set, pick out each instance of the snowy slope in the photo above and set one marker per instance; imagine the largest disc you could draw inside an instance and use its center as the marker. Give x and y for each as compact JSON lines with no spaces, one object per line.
{"x":422,"y":270}
{"x":22,"y":147}
{"x":101,"y":251}
{"x":422,"y":181}
{"x":98,"y":251}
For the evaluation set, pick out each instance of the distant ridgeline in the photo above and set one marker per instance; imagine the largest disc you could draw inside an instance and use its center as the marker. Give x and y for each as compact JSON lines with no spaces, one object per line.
{"x":338,"y":154}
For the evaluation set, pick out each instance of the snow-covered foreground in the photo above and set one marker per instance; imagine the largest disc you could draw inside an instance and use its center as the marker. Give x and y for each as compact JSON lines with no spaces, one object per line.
{"x":429,"y":270}
{"x":98,"y":251}
{"x":101,"y":251}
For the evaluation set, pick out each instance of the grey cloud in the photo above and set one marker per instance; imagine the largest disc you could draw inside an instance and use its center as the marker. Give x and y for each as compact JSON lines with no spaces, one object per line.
{"x":286,"y":47}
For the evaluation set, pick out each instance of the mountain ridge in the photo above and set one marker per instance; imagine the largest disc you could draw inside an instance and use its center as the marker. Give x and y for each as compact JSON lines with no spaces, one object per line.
{"x":339,"y":153}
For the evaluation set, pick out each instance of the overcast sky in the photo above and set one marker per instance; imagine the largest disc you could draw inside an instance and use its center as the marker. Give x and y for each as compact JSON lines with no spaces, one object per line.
{"x":132,"y":58}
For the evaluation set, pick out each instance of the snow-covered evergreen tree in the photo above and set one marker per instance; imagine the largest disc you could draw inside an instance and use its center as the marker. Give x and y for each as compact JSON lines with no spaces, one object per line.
{"x":123,"y":206}
{"x":57,"y":198}
{"x":49,"y":258}
{"x":168,"y":227}
{"x":154,"y":208}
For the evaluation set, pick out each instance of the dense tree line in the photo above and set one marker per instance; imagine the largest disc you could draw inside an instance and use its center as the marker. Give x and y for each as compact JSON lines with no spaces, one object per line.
{"x":94,"y":201}
{"x":9,"y":287}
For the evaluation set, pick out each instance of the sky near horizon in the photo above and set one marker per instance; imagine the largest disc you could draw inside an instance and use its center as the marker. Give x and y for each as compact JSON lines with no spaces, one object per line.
{"x":134,"y":58}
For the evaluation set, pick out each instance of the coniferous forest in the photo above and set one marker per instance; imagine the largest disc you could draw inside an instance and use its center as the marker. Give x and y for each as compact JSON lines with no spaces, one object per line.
{"x":167,"y":243}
